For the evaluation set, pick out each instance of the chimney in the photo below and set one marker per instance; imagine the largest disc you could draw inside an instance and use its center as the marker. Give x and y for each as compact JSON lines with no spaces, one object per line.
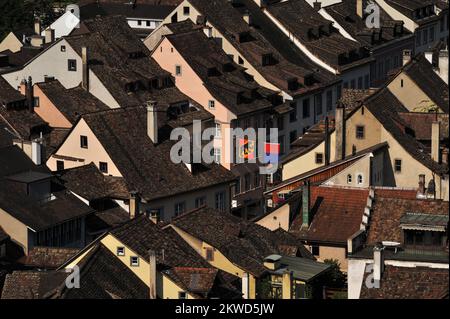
{"x":152,"y":121}
{"x":317,"y":5}
{"x":340,"y":132}
{"x":154,"y":216}
{"x":134,"y":204}
{"x":247,"y":17}
{"x":37,"y":26}
{"x":286,"y":290}
{"x":49,"y":35}
{"x":29,"y":94}
{"x":421,"y":185}
{"x":327,"y":141}
{"x":435,"y":141}
{"x":359,"y":8}
{"x":152,"y":273}
{"x":85,"y":68}
{"x":36,"y":151}
{"x":245,"y":286}
{"x":378,"y":262}
{"x":306,"y":204}
{"x":407,"y":54}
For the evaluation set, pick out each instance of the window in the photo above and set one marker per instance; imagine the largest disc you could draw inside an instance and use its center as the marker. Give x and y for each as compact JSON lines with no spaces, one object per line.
{"x":237,"y":187}
{"x":360,"y":179}
{"x":257,"y":180}
{"x":280,"y":123}
{"x":186,"y":11}
{"x":329,"y":100}
{"x":134,"y":261}
{"x":200,"y":201}
{"x":182,"y":295}
{"x":218,"y":130}
{"x":177,"y":70}
{"x":281,"y":142}
{"x":353,"y":82}
{"x":315,"y":250}
{"x":338,"y":92}
{"x":398,"y":165}
{"x":366,"y":81}
{"x":217,"y":155}
{"x":103,"y":166}
{"x":247,"y":185}
{"x":147,"y":23}
{"x":180,"y":208}
{"x":83,"y":141}
{"x":220,"y":201}
{"x":36,"y":101}
{"x":360,"y":132}
{"x":432,"y":34}
{"x":211,"y":104}
{"x":120,"y":251}
{"x":209,"y":254}
{"x":345,"y":85}
{"x":319,"y":158}
{"x":360,"y":82}
{"x":72,"y":65}
{"x":59,"y":165}
{"x":349,"y":178}
{"x":306,"y":110}
{"x":425,"y":36}
{"x":63,"y":48}
{"x":318,"y":102}
{"x":401,"y":82}
{"x":292,"y":136}
{"x":293,"y":114}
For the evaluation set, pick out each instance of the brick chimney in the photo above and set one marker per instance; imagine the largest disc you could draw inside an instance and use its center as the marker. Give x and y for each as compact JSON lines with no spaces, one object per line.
{"x":152,"y":121}
{"x":134,"y":204}
{"x":378,"y":262}
{"x":29,"y":94}
{"x":152,"y":274}
{"x":306,"y":204}
{"x":37,"y":26}
{"x":340,"y":132}
{"x":49,"y":35}
{"x":85,"y":68}
{"x":435,"y":140}
{"x":407,"y":55}
{"x":421,"y":185}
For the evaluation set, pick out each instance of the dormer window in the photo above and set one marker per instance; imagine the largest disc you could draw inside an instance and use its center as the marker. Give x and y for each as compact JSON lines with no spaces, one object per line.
{"x":267,"y":59}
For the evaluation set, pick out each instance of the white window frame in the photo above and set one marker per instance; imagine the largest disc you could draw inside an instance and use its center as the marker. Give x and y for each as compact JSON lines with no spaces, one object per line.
{"x":134,"y":264}
{"x":120,"y":251}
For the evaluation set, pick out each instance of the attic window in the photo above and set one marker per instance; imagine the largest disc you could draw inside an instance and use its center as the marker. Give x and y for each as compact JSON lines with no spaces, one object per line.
{"x":134,"y":261}
{"x":182,"y":295}
{"x":209,"y":254}
{"x":120,"y":251}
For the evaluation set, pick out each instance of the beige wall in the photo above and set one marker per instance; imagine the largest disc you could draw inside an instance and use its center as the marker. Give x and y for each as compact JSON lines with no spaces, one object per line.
{"x":410,"y":95}
{"x":11,"y":43}
{"x":330,"y":252}
{"x":94,"y":153}
{"x":360,"y":167}
{"x":279,"y":218}
{"x":15,"y":229}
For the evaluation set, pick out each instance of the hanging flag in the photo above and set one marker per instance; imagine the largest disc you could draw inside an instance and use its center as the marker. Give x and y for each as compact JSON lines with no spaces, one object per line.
{"x":247,"y":149}
{"x":271,"y":152}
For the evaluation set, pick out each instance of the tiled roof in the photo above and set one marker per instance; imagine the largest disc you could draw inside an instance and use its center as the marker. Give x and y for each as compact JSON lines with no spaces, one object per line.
{"x":31,"y":284}
{"x":385,"y":107}
{"x":88,"y":182}
{"x":53,"y":140}
{"x":72,"y":102}
{"x":244,"y":243}
{"x":252,"y":44}
{"x":336,"y":214}
{"x":345,"y":14}
{"x":142,"y":235}
{"x":389,"y":208}
{"x":146,"y":167}
{"x":40,"y":215}
{"x":141,"y":10}
{"x":223,"y":78}
{"x":318,"y":34}
{"x":104,"y":276}
{"x":421,"y":72}
{"x":409,"y":283}
{"x":123,"y":63}
{"x":13,"y":160}
{"x":48,"y":257}
{"x":104,"y":220}
{"x":421,"y":124}
{"x":8,"y":94}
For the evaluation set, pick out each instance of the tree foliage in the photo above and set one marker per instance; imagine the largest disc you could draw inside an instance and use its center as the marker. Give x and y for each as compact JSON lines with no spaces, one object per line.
{"x":20,"y":14}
